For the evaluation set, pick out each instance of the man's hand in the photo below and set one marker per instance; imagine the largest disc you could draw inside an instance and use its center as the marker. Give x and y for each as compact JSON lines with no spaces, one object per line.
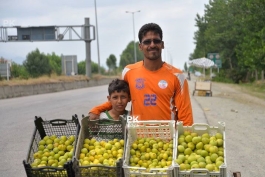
{"x":93,"y":116}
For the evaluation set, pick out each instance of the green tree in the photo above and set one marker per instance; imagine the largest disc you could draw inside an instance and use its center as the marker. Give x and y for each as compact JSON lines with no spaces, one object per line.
{"x":55,"y":62}
{"x":37,"y":64}
{"x":222,"y":35}
{"x":111,"y":63}
{"x":199,"y":37}
{"x":251,"y":50}
{"x":232,"y":28}
{"x":127,"y":56}
{"x":185,"y":66}
{"x":94,"y":68}
{"x":82,"y":67}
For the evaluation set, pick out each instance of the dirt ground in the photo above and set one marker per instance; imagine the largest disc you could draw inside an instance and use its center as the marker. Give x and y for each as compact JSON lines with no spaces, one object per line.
{"x":244,"y":117}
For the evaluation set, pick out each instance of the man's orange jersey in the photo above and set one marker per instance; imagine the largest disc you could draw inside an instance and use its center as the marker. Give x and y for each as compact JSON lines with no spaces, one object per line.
{"x":157,"y":95}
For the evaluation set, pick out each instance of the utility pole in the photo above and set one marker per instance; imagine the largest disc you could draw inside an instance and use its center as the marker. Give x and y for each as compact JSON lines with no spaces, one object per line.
{"x":97,"y":36}
{"x":135,"y":56}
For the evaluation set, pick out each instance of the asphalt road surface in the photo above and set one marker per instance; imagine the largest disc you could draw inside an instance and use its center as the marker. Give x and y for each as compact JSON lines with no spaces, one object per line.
{"x":17,"y":121}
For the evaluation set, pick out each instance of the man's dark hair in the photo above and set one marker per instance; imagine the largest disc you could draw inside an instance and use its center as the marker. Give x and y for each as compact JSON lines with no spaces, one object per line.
{"x":149,"y":27}
{"x":118,"y":85}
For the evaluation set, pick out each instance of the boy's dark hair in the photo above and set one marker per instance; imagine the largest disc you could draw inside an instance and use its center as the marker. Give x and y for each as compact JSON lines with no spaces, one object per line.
{"x":149,"y":27}
{"x":118,"y":85}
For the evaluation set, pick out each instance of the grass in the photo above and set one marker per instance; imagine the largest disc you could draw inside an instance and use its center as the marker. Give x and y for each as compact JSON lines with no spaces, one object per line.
{"x":256,"y":88}
{"x":52,"y":79}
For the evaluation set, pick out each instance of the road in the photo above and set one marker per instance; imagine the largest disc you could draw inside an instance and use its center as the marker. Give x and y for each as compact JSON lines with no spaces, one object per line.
{"x":244,"y":117}
{"x":17,"y":121}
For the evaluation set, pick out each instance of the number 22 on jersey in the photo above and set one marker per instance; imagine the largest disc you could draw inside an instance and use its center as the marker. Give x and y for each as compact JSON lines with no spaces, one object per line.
{"x":150,"y":99}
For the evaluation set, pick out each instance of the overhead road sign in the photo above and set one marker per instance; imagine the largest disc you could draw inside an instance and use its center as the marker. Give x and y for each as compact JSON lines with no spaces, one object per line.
{"x":45,"y":33}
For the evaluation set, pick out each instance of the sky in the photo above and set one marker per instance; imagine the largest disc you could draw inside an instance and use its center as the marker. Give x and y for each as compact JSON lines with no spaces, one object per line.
{"x":115,"y":26}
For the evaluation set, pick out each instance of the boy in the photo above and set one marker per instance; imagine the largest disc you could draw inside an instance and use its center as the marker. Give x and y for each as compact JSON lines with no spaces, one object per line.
{"x":119,"y":96}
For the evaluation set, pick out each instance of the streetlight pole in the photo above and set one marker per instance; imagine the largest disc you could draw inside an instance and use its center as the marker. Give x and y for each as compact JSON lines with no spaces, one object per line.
{"x":97,"y":36}
{"x":135,"y":56}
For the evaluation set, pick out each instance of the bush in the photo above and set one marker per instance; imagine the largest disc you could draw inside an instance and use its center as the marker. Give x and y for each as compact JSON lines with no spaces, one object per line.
{"x":15,"y":70}
{"x":24,"y":74}
{"x":37,"y":64}
{"x":19,"y":71}
{"x":222,"y":76}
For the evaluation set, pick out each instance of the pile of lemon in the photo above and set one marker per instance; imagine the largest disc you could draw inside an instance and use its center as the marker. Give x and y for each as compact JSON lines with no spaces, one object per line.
{"x":95,"y":152}
{"x":195,"y":151}
{"x":54,"y":151}
{"x":151,"y":153}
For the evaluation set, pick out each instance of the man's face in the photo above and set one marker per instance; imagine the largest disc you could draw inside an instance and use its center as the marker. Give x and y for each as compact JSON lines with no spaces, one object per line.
{"x":151,"y":46}
{"x":119,"y":100}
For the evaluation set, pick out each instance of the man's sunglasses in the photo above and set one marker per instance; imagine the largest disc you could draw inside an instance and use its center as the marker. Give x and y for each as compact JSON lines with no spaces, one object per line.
{"x":149,"y":41}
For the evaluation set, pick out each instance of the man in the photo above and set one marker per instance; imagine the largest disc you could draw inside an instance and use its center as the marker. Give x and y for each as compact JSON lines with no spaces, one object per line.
{"x":159,"y":91}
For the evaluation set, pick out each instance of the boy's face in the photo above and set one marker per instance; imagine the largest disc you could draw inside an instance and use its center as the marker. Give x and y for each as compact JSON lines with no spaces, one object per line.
{"x":119,"y":100}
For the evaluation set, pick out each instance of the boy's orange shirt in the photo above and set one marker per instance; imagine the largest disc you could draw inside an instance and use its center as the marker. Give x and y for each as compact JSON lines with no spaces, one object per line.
{"x":156,"y":95}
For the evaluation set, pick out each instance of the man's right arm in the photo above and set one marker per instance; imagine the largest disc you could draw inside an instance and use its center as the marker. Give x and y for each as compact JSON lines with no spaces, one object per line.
{"x":95,"y":111}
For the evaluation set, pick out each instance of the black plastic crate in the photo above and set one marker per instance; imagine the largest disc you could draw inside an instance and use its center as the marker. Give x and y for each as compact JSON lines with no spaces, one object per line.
{"x":100,"y":130}
{"x":58,"y":127}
